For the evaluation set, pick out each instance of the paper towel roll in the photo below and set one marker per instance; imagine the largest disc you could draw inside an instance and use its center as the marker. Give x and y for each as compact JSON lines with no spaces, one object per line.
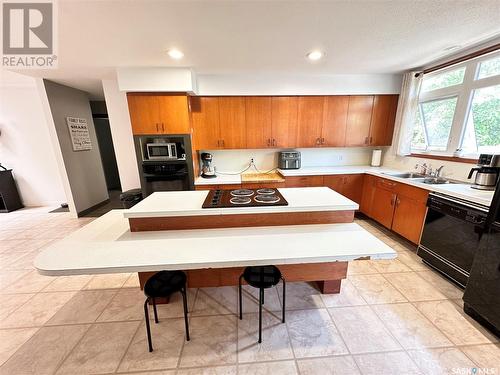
{"x":376,"y":157}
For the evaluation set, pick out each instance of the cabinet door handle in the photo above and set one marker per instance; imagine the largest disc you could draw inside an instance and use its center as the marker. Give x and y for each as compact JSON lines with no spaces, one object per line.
{"x":157,"y":128}
{"x":268,"y":142}
{"x":366,"y":140}
{"x":317,"y":141}
{"x":274,"y":142}
{"x":218,"y":143}
{"x":223,"y":143}
{"x":371,"y":140}
{"x":398,"y":201}
{"x":393,"y":200}
{"x":162,"y":127}
{"x":322,"y":141}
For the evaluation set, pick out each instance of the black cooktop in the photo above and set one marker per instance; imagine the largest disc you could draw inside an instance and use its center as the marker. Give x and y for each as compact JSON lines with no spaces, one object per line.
{"x":244,"y":198}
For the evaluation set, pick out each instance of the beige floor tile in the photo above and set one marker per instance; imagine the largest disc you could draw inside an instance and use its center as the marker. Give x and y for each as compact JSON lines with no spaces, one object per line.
{"x":132,"y":281}
{"x":251,"y":299}
{"x":212,"y":301}
{"x":24,"y":263}
{"x":362,"y":330}
{"x":360,"y":267}
{"x":410,"y":327}
{"x":387,"y":266}
{"x":65,"y":283}
{"x":412,"y":260}
{"x":395,"y":363}
{"x":301,"y":296}
{"x":8,"y":277}
{"x":167,"y":336}
{"x":10,"y":302}
{"x":213,"y":341}
{"x":313,"y":334}
{"x":275,"y":341}
{"x":38,"y":310}
{"x":45,"y":351}
{"x":175,"y":307}
{"x":84,"y":307}
{"x":375,"y":289}
{"x":442,"y":284}
{"x":441,"y":361}
{"x":348,"y":296}
{"x":13,"y":339}
{"x":278,"y":368}
{"x":127,"y":304}
{"x":485,"y":357}
{"x":218,"y":370}
{"x":32,"y":282}
{"x":413,"y":287}
{"x":111,"y":281}
{"x":100,"y":350}
{"x":8,"y":257}
{"x":332,"y":365}
{"x":164,"y":372}
{"x":451,"y":320}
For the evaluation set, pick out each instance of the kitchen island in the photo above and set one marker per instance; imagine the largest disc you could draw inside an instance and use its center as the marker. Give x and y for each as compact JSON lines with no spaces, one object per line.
{"x":216,"y":257}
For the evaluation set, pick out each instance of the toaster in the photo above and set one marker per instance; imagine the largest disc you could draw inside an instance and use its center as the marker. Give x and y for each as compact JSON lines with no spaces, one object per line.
{"x":289,"y":160}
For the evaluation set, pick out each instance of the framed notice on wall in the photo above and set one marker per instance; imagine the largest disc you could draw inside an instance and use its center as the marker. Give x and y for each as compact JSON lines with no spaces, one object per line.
{"x":79,"y":133}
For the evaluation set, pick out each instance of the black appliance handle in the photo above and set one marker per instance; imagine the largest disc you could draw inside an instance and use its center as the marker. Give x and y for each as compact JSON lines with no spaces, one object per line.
{"x":494,"y":213}
{"x":472,"y":172}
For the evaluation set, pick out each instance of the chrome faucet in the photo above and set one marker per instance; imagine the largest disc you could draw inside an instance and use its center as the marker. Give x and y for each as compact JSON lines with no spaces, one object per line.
{"x":424,"y":168}
{"x":437,"y":173}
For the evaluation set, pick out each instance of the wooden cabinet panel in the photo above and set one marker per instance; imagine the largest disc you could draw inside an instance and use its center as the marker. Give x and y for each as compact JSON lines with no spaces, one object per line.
{"x":333,"y":130}
{"x":258,"y":121}
{"x":409,"y":217}
{"x":383,"y":206}
{"x":144,"y":113}
{"x":304,"y":181}
{"x":353,"y":187}
{"x":205,"y":122}
{"x":218,"y":186}
{"x":174,"y":114}
{"x":232,"y":122}
{"x":369,"y":183}
{"x":359,"y":117}
{"x":383,"y":118}
{"x":310,"y":119}
{"x":262,"y":185}
{"x":284,"y":121}
{"x":334,"y":182}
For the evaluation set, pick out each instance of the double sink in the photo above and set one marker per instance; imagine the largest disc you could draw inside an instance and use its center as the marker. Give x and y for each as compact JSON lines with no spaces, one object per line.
{"x":417,"y":177}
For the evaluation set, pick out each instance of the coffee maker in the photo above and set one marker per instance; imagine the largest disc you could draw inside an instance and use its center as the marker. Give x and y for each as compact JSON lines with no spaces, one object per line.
{"x":207,"y":169}
{"x":488,"y":170}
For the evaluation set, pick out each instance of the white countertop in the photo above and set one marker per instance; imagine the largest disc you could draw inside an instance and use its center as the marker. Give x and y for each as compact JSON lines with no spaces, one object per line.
{"x":106,"y":245}
{"x":188,"y":203}
{"x":460,"y":190}
{"x":218,"y":179}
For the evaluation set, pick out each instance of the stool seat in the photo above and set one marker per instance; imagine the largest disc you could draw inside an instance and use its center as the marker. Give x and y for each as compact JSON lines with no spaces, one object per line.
{"x":262,"y":276}
{"x":164,"y":283}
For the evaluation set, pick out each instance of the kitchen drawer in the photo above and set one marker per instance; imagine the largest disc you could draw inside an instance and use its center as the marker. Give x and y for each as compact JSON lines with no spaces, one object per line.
{"x":304,"y":181}
{"x":383,"y":183}
{"x":218,"y":186}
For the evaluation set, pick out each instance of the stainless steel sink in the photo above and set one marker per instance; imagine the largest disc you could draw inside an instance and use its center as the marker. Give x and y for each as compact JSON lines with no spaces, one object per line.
{"x":406,"y":175}
{"x":432,"y":180}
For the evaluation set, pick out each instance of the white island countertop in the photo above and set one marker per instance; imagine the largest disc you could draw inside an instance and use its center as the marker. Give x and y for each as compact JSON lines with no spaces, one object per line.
{"x":106,"y":245}
{"x":189,"y":203}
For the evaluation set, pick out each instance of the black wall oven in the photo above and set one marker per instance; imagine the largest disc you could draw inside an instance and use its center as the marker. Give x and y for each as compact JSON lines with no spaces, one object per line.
{"x":451,"y":235}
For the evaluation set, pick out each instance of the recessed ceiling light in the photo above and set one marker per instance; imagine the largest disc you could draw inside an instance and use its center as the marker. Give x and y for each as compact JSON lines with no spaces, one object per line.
{"x":315,"y":55}
{"x":174,"y":53}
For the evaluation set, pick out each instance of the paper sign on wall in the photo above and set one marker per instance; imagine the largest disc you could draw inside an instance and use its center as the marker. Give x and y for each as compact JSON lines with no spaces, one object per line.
{"x":79,"y":133}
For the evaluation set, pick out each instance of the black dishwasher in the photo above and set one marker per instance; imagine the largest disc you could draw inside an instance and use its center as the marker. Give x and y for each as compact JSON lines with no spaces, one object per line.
{"x":451,"y":235}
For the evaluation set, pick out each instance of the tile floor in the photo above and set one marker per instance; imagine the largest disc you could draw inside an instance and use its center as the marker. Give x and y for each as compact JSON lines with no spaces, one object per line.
{"x":392,"y":317}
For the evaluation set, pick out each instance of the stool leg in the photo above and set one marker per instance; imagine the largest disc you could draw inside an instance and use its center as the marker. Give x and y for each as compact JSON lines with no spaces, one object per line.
{"x":261,"y":298}
{"x":148,"y":329}
{"x":283,"y":307}
{"x":240,"y":297}
{"x":154,"y":309}
{"x":184,"y":301}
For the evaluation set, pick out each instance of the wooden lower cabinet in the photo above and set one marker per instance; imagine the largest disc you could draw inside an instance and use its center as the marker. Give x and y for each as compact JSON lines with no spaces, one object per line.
{"x":383,"y":206}
{"x":368,"y":194}
{"x":349,"y":185}
{"x":304,"y":181}
{"x":218,"y":186}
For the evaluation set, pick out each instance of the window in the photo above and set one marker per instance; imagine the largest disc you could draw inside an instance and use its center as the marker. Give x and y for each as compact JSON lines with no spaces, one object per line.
{"x":459,"y":110}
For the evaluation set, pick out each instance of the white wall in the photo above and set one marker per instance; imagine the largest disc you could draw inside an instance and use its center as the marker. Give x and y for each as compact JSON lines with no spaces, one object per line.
{"x":25,"y":144}
{"x":231,"y":161}
{"x":121,"y":132}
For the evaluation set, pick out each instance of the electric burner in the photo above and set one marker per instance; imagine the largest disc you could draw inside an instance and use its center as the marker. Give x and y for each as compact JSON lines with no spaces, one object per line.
{"x":266,"y":191}
{"x":242,"y":193}
{"x":240,"y":200}
{"x":267,"y":198}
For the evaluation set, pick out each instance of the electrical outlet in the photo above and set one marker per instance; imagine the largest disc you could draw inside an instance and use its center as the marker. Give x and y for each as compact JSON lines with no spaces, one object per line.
{"x":251,"y":160}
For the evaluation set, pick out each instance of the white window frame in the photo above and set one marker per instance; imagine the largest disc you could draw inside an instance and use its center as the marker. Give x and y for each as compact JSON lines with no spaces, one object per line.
{"x":464,"y":93}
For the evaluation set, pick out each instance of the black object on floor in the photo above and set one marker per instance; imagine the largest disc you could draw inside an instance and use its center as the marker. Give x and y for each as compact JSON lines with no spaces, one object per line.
{"x":162,"y":285}
{"x":60,"y":209}
{"x":261,"y":277}
{"x":131,"y":197}
{"x":9,"y":196}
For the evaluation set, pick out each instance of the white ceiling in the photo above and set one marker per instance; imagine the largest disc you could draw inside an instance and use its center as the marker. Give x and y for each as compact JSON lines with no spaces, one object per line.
{"x":359,"y":37}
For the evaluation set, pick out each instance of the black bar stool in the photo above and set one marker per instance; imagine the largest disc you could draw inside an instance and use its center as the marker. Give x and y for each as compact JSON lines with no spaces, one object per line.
{"x":261,"y":277}
{"x":162,"y":285}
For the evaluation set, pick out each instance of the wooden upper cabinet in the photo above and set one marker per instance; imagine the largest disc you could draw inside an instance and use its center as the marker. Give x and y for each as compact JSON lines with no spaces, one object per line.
{"x":383,"y":118}
{"x":359,"y":117}
{"x":310,"y":121}
{"x":284,"y":121}
{"x":258,"y":127}
{"x":232,"y":121}
{"x":144,"y":113}
{"x":334,"y":121}
{"x":174,"y":114}
{"x":205,"y":122}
